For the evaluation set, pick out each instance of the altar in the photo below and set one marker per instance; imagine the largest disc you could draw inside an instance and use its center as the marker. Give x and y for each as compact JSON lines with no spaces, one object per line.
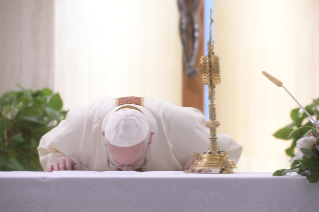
{"x":155,"y":191}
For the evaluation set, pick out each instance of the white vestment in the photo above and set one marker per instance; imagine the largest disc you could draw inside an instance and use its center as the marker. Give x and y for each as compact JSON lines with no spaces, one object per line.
{"x":181,"y":133}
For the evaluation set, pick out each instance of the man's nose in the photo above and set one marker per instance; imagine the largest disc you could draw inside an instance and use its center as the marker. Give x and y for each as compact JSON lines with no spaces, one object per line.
{"x":128,"y":168}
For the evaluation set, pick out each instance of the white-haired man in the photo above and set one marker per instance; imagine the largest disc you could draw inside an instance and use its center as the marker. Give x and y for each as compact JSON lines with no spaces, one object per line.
{"x":128,"y":134}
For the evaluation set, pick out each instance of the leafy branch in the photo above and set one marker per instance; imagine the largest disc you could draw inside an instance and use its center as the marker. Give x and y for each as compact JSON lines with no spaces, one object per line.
{"x":306,"y":162}
{"x":25,"y":116}
{"x":300,"y":126}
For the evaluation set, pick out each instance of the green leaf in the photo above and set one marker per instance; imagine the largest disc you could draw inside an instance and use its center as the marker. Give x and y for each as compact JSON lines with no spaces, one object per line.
{"x":294,"y":114}
{"x":46,"y":91}
{"x":63,"y":114}
{"x":316,"y":150}
{"x":314,"y":133}
{"x":302,"y":169}
{"x":281,"y":172}
{"x":26,"y":94}
{"x":303,"y":127}
{"x":3,"y":162}
{"x":313,"y":177}
{"x":297,"y":117}
{"x":283,"y":133}
{"x":40,"y":100}
{"x":307,"y":152}
{"x":17,"y":137}
{"x":309,"y":109}
{"x":290,"y":126}
{"x":34,"y":119}
{"x":307,"y":133}
{"x":34,"y":144}
{"x":291,"y":149}
{"x":309,"y":162}
{"x":53,"y":114}
{"x":13,"y":164}
{"x":316,"y":107}
{"x":295,"y":164}
{"x":56,"y":102}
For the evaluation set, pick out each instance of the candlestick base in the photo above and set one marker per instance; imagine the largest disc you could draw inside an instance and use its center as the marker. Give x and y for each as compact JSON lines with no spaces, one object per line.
{"x":214,"y":160}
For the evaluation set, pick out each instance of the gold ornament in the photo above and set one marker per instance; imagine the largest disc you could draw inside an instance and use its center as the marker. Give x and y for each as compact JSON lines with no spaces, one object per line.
{"x":212,"y":124}
{"x":213,"y":159}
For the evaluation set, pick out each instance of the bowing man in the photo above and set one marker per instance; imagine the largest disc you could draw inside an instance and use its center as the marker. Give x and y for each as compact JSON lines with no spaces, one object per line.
{"x":129,"y":133}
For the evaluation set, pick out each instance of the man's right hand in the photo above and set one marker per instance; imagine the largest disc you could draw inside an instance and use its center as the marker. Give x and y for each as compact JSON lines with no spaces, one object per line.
{"x":63,"y":164}
{"x":189,"y":164}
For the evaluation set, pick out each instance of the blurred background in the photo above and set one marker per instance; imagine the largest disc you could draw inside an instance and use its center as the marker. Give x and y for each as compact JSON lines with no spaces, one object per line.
{"x":88,"y":49}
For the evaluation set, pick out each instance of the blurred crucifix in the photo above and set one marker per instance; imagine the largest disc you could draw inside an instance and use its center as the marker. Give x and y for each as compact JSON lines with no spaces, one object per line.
{"x":191,"y":18}
{"x":189,"y":32}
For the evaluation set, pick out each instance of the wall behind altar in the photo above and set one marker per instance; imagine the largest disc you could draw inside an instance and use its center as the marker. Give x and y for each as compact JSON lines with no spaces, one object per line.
{"x":282,"y":38}
{"x":117,"y":48}
{"x":90,"y":49}
{"x":26,"y":44}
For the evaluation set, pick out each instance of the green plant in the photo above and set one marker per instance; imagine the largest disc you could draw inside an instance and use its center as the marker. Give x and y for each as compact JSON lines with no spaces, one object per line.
{"x":306,"y":161}
{"x":25,"y":116}
{"x":299,"y":120}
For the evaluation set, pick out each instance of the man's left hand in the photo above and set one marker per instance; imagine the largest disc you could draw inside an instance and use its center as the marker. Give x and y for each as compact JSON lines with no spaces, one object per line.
{"x":62,"y":164}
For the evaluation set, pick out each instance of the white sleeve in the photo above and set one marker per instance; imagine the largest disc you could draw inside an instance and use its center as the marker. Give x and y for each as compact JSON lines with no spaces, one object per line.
{"x":185,"y":130}
{"x":63,"y":140}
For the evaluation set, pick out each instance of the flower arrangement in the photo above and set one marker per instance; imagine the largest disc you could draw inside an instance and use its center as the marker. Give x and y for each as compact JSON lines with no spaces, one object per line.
{"x":300,"y":121}
{"x":306,"y":160}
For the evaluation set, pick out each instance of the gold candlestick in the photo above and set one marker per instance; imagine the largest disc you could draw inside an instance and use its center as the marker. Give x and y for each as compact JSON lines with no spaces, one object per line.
{"x":213,"y":159}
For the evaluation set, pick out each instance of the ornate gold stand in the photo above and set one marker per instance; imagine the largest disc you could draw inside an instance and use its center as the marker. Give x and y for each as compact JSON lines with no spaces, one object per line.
{"x":213,"y":159}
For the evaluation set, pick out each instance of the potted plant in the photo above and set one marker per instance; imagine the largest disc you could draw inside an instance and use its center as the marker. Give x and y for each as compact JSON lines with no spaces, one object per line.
{"x":25,"y":116}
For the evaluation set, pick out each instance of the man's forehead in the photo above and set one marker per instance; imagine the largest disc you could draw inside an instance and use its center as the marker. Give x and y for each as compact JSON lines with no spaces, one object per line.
{"x":126,"y":155}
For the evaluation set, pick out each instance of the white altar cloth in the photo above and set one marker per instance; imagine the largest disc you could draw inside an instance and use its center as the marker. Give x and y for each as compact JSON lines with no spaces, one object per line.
{"x":155,"y":191}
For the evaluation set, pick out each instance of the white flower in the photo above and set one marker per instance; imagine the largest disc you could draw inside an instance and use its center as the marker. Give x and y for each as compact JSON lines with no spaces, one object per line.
{"x":306,"y":142}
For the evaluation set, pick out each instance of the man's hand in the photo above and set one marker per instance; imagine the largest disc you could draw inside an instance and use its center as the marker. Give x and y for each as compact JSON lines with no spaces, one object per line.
{"x":63,"y":164}
{"x":190,"y":162}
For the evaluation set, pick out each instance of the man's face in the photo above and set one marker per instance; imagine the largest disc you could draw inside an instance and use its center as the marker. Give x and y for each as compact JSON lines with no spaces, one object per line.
{"x":133,"y":155}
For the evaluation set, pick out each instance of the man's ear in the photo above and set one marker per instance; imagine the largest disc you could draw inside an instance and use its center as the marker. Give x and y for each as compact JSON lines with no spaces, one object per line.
{"x":151,"y":136}
{"x":103,"y":133}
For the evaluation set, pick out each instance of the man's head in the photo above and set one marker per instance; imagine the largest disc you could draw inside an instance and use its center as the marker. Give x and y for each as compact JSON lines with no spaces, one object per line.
{"x":128,"y":137}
